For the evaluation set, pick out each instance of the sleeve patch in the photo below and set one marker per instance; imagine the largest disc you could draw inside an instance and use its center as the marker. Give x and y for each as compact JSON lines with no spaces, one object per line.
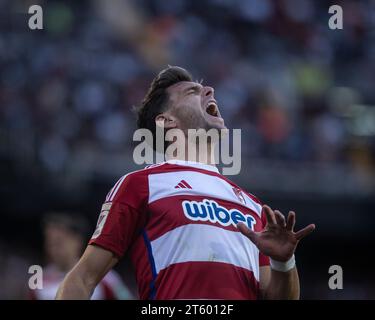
{"x":102,"y":219}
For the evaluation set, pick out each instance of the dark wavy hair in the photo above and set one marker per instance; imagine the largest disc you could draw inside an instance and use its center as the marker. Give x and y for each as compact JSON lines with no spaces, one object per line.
{"x":156,"y":99}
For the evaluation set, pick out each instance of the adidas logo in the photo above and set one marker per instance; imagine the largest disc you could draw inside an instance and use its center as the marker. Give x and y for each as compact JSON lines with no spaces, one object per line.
{"x":183,"y":185}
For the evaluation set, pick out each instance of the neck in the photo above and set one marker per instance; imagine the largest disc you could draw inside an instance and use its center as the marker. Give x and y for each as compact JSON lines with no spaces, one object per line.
{"x":192,"y":152}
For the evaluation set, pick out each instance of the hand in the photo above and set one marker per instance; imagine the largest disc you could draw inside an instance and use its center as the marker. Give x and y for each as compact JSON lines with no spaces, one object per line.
{"x":277,"y":240}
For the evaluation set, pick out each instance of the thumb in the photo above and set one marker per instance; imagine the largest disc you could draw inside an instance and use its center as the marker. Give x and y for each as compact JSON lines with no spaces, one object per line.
{"x":247,"y":232}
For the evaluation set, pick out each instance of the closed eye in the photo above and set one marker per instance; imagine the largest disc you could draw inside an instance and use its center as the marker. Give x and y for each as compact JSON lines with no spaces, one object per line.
{"x":196,"y":89}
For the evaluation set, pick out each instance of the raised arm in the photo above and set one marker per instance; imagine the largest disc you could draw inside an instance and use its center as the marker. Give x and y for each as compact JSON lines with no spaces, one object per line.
{"x":278,"y":241}
{"x":81,"y":281}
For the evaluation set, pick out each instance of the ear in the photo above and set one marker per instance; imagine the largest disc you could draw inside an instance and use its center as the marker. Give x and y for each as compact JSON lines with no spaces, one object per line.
{"x":167,"y":120}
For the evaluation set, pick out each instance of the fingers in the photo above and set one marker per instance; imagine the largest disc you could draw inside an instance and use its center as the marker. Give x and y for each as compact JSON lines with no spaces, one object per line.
{"x":270,"y":216}
{"x":305,"y":231}
{"x":277,"y":218}
{"x":247,"y":232}
{"x":274,"y":217}
{"x":291,"y":221}
{"x":280,"y":219}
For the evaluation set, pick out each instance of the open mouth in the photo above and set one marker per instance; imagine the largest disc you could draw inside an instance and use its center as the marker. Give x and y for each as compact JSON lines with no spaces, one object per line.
{"x":212,"y":109}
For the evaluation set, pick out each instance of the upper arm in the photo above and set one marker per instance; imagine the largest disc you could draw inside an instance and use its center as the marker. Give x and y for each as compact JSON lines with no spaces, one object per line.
{"x":122,"y":217}
{"x":94,"y":265}
{"x":119,"y":223}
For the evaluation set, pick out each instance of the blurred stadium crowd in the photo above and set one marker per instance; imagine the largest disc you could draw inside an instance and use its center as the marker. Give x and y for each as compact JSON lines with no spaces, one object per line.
{"x":302,"y":94}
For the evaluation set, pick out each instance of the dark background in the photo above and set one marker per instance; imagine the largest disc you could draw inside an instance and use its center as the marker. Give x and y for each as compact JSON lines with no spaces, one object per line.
{"x":302,"y":94}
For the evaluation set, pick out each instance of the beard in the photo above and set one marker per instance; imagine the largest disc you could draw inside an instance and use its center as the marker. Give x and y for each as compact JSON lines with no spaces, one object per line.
{"x":190,"y":118}
{"x":207,"y":129}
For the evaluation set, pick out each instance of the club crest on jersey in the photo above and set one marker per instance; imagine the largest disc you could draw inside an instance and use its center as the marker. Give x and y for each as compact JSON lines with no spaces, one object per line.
{"x":239,"y":194}
{"x":209,"y":210}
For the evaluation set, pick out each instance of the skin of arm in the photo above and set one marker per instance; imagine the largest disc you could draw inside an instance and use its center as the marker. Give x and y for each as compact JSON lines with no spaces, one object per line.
{"x":80,"y":282}
{"x":276,"y":285}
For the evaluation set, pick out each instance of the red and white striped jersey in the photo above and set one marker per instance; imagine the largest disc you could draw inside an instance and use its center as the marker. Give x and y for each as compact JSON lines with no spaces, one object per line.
{"x":178,"y":221}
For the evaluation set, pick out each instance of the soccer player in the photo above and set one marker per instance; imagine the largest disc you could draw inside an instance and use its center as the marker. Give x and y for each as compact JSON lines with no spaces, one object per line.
{"x":191,"y":232}
{"x":64,"y":239}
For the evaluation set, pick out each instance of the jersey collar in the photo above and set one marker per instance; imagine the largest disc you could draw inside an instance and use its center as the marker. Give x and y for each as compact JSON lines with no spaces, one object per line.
{"x":194,"y":165}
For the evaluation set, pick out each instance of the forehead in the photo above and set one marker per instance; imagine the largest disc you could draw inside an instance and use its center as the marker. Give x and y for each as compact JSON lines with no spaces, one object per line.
{"x":180,"y":87}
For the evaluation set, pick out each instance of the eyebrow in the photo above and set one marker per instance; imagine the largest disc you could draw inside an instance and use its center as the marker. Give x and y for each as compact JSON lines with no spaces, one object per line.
{"x":196,"y":87}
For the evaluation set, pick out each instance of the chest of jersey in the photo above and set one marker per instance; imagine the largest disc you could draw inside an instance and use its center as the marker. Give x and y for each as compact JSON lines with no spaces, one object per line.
{"x":192,"y":197}
{"x":193,"y":217}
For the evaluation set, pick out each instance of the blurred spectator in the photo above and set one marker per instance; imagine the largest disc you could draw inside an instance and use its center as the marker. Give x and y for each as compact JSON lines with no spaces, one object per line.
{"x":64,"y":241}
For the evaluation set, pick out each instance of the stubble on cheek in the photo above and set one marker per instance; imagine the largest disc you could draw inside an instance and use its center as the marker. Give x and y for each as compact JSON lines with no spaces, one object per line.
{"x":190,"y":119}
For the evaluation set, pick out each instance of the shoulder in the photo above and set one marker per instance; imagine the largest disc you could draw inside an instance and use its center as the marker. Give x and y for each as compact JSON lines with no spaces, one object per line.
{"x":249,"y":199}
{"x":132,"y":183}
{"x":248,"y":194}
{"x":254,"y":198}
{"x":253,"y":202}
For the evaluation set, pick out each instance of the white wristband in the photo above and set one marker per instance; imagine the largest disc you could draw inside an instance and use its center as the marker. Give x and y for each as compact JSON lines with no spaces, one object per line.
{"x":283,"y":266}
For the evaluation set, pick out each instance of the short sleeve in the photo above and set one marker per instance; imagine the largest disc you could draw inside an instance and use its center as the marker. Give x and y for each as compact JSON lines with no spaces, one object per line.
{"x":117,"y":228}
{"x":123,"y":215}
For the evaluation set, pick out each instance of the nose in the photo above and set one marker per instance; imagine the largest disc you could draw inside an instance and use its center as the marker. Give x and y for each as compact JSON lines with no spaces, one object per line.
{"x":208,"y":91}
